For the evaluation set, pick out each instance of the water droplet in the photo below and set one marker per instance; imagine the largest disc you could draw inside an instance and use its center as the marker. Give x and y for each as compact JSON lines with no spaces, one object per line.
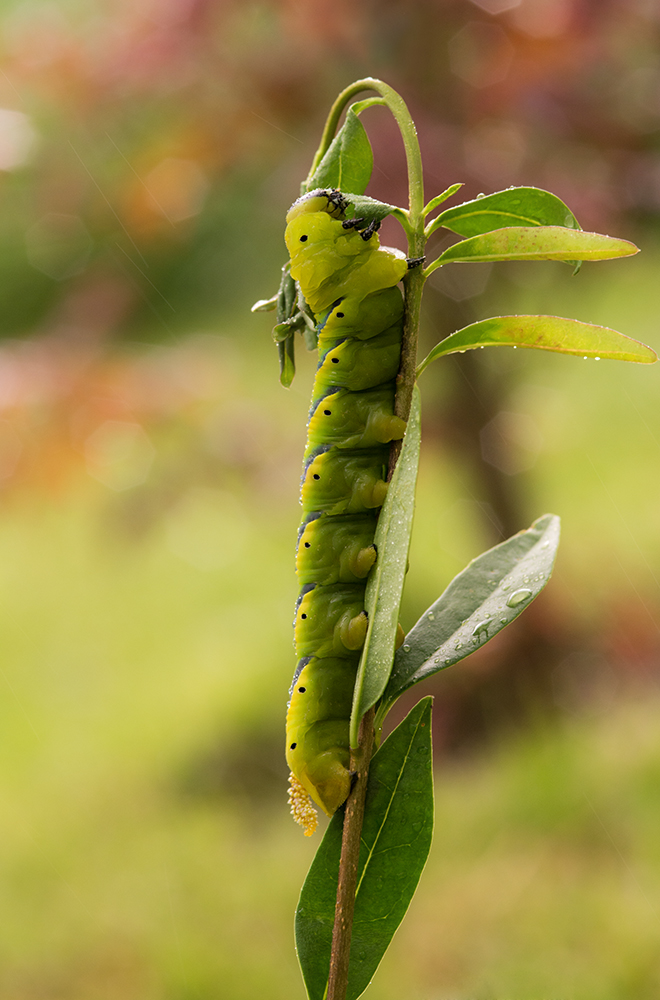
{"x":596,"y":359}
{"x":406,"y":647}
{"x":457,"y":645}
{"x":515,"y":348}
{"x":436,"y":659}
{"x":431,"y":615}
{"x":480,"y":628}
{"x":585,"y":358}
{"x":518,"y":596}
{"x":481,"y":195}
{"x":505,"y":586}
{"x":504,"y":620}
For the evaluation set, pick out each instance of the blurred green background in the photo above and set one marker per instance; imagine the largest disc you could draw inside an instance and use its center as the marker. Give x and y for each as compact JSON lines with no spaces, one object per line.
{"x":149,"y":466}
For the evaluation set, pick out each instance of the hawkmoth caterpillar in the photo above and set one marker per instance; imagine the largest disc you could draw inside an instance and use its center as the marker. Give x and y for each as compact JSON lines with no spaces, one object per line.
{"x":349,"y":283}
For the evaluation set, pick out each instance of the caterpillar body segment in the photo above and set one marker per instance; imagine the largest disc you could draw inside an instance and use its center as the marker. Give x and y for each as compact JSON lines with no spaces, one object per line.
{"x":358,"y":364}
{"x":362,"y":318}
{"x":317,"y":729}
{"x":354,"y":420}
{"x":336,"y":549}
{"x":350,"y":283}
{"x":343,"y":482}
{"x":330,"y":621}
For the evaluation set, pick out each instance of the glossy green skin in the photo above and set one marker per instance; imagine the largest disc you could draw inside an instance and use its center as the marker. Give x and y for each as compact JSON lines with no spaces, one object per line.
{"x":354,"y":420}
{"x":336,"y":550}
{"x":317,"y":728}
{"x":363,"y":318}
{"x":358,"y":364}
{"x":345,"y":482}
{"x":330,"y":263}
{"x":325,"y":619}
{"x":350,"y":284}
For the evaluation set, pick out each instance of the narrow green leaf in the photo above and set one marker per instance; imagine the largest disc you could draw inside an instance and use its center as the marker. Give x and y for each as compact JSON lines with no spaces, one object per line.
{"x":518,"y":206}
{"x":545,"y":333}
{"x":370,"y":208}
{"x":287,"y":356}
{"x":264,"y":305}
{"x":534,"y":243}
{"x":438,"y":200}
{"x":489,"y":594}
{"x":349,"y":160}
{"x":396,"y":839}
{"x":286,"y":295}
{"x":385,"y":584}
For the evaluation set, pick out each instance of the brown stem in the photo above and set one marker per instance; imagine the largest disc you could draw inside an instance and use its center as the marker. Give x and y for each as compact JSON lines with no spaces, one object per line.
{"x":348,"y":866}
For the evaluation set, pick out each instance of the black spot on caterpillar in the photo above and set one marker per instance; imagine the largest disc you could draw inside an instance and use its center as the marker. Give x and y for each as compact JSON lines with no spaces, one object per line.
{"x":340,"y":262}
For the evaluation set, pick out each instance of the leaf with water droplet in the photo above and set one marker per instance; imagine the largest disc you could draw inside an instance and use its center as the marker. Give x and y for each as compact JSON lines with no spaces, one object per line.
{"x":467,"y":601}
{"x":385,"y":584}
{"x":515,"y":206}
{"x":534,"y":243}
{"x":480,"y":629}
{"x":544,"y":333}
{"x":396,"y":837}
{"x":517,"y":597}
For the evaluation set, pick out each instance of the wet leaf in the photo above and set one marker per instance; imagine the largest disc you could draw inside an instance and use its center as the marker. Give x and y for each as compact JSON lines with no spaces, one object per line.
{"x":396,"y":838}
{"x":385,"y":584}
{"x":535,"y":243}
{"x":545,"y":333}
{"x":487,"y":596}
{"x":518,"y":206}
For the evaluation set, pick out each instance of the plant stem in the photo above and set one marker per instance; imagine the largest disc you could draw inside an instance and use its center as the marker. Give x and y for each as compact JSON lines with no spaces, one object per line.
{"x":348,"y":865}
{"x":413,"y":285}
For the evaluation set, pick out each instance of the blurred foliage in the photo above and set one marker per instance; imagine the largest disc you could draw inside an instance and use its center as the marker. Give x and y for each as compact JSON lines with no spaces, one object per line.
{"x":129,"y":674}
{"x":149,"y":466}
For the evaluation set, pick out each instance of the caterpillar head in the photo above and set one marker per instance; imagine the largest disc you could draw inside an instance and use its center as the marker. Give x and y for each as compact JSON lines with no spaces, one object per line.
{"x":331,"y":201}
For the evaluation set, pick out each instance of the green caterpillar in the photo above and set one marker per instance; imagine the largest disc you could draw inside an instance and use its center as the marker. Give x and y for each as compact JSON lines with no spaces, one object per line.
{"x":350,"y":284}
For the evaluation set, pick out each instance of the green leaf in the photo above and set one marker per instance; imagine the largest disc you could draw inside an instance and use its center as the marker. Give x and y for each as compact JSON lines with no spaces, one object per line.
{"x":535,"y":243}
{"x":488,"y":595}
{"x":438,"y":200}
{"x":348,"y":162}
{"x":286,"y":295}
{"x":370,"y":208}
{"x":385,"y":584}
{"x":546,"y":333}
{"x":264,"y":305}
{"x":518,"y":206}
{"x":286,"y":352}
{"x":396,"y":838}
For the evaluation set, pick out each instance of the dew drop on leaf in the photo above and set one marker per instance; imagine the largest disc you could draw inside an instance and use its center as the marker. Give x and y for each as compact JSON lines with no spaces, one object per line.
{"x":518,"y":596}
